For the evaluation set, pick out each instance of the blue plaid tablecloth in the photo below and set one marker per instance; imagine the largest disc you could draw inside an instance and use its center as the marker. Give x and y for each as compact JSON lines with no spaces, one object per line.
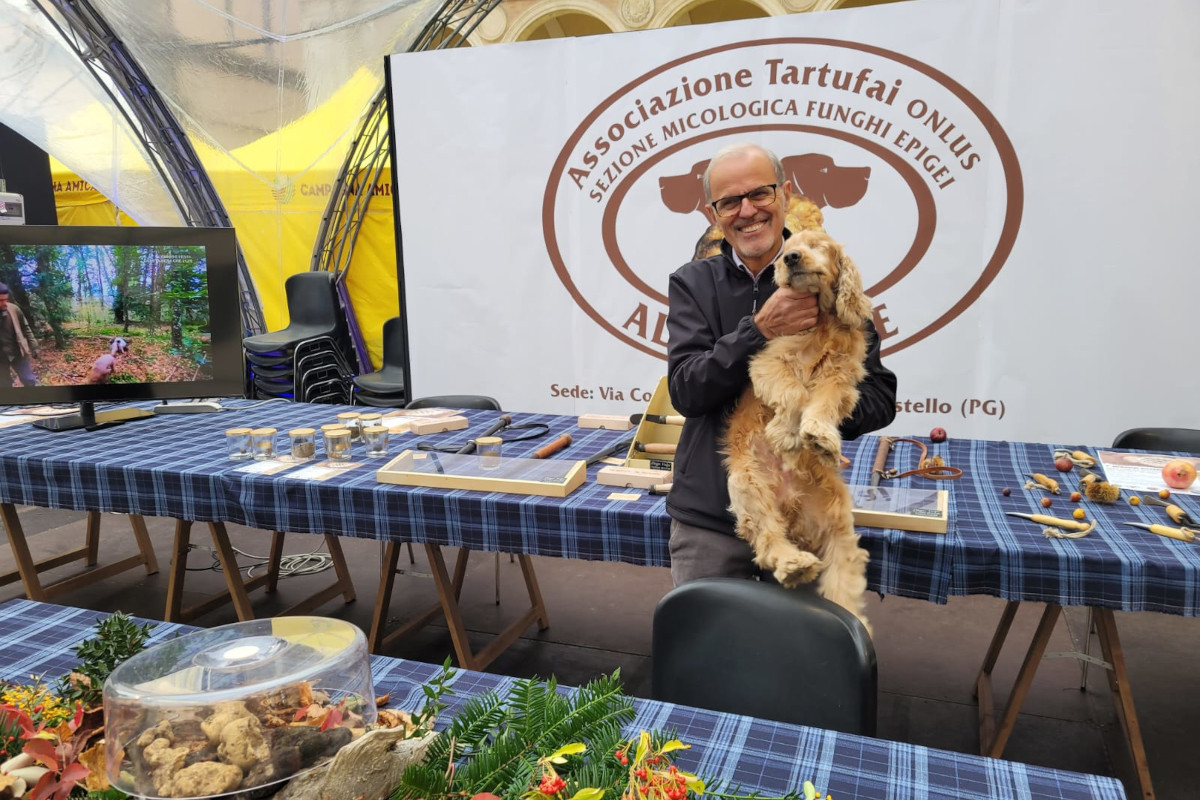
{"x":767,"y":757}
{"x":175,"y":466}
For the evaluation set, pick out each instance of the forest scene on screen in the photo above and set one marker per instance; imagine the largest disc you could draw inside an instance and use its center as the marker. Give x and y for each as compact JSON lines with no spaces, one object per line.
{"x":96,"y":314}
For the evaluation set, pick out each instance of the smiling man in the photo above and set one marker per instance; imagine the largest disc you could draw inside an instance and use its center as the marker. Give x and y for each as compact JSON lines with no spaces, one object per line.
{"x":723,"y":310}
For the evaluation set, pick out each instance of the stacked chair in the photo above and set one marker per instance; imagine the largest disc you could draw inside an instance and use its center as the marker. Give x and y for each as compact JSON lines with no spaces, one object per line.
{"x":308,"y":360}
{"x":386,"y":387}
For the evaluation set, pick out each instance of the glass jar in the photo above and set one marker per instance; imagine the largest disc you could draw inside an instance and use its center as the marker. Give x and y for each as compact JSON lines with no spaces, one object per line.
{"x":262,"y":441}
{"x":304,"y":443}
{"x":488,"y":449}
{"x":367,"y":420}
{"x":237,"y":444}
{"x":349,"y":421}
{"x":375,"y":437}
{"x":337,"y":444}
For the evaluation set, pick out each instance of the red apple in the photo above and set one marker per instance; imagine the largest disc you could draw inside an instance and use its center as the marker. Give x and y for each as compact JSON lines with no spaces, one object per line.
{"x":1179,"y":474}
{"x":937,"y":435}
{"x":1064,"y":464}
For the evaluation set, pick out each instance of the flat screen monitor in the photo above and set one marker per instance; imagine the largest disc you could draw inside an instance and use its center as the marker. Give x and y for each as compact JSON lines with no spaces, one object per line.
{"x":95,"y":314}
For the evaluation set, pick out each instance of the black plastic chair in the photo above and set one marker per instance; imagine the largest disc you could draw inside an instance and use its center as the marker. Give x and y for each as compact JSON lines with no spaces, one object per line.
{"x":758,"y":649}
{"x":386,"y":386}
{"x":1184,"y":440}
{"x":477,"y":401}
{"x":313,"y":308}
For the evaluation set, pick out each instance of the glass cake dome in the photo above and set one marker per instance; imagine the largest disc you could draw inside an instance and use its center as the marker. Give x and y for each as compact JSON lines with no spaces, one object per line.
{"x":229,"y":710}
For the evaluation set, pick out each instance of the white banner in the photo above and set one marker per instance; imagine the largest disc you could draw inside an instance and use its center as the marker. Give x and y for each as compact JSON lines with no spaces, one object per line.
{"x":1014,"y":178}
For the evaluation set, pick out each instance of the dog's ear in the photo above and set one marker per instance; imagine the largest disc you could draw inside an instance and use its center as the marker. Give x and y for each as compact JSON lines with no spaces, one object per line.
{"x":852,"y":306}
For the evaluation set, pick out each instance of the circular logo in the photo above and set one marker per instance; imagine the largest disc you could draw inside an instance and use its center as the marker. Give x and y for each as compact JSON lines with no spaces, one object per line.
{"x":895,"y":159}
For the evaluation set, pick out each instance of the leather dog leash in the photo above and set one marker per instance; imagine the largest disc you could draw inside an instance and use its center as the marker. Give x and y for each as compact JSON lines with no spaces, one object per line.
{"x":925,"y":466}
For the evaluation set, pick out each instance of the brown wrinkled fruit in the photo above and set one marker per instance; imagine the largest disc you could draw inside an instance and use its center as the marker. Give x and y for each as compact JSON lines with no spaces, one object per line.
{"x":1006,"y":491}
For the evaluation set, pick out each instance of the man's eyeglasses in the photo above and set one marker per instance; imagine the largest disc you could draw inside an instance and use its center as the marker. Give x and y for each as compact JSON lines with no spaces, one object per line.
{"x":761,"y":197}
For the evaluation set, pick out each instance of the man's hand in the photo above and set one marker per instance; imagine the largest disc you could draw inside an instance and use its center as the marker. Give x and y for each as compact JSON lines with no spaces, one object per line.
{"x":787,"y":312}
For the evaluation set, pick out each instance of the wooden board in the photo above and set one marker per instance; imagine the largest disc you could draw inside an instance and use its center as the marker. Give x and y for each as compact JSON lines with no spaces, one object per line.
{"x":631,"y":477}
{"x":608,"y":422}
{"x":422,"y":427}
{"x":531,"y":476}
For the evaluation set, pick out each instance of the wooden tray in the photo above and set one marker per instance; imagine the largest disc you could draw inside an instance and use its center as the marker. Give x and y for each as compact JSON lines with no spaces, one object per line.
{"x":534,"y":476}
{"x":921,"y":510}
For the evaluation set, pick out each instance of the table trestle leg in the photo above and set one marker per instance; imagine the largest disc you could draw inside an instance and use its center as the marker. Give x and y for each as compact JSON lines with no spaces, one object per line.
{"x":28,"y":571}
{"x":237,"y":589}
{"x":449,"y":588}
{"x":1118,"y":682}
{"x":992,"y":743}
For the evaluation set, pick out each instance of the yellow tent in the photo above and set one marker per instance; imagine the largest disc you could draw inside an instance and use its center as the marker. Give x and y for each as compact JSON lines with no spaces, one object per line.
{"x":275,"y":191}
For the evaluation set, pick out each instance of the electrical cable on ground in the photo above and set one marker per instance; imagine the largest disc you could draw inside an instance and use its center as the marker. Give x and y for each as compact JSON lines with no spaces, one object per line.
{"x":310,"y":563}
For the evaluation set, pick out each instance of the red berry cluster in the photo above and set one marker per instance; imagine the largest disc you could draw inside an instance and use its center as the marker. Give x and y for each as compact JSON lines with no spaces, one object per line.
{"x":656,"y":784}
{"x":551,"y":784}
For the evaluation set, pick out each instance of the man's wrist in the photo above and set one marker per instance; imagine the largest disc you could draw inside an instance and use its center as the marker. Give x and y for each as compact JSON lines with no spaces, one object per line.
{"x":764,"y":329}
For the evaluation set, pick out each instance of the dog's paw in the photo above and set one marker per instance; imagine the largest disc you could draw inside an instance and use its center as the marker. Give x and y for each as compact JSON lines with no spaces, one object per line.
{"x":783,"y":438}
{"x":797,"y":568}
{"x":821,"y":438}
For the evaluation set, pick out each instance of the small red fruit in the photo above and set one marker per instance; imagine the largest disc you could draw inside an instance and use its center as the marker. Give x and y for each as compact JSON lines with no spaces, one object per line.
{"x":1076,"y":497}
{"x":1179,"y":474}
{"x":1064,"y":464}
{"x":1006,"y":491}
{"x":1163,"y":494}
{"x":937,"y":435}
{"x":1046,"y":501}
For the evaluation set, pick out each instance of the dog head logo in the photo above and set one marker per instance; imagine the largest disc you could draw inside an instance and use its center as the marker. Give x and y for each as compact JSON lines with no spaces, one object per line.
{"x":883,"y":152}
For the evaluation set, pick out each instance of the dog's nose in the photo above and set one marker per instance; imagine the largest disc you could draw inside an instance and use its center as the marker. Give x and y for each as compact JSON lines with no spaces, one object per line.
{"x":791,"y":259}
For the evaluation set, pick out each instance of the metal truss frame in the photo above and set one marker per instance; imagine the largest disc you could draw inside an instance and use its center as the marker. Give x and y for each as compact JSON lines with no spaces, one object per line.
{"x":171,"y":153}
{"x":354,"y":185}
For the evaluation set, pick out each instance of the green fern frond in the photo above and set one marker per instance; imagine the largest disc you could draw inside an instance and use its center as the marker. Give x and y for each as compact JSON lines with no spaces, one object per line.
{"x":497,"y":743}
{"x":422,"y":780}
{"x":478,"y":720}
{"x":507,"y":761}
{"x":594,"y":706}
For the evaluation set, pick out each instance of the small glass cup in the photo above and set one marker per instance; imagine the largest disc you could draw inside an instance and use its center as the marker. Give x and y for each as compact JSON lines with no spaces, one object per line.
{"x":367,"y":420}
{"x":488,"y":449}
{"x":349,"y":421}
{"x":304,"y":443}
{"x":237,"y":444}
{"x":337,"y":444}
{"x":262,"y":441}
{"x":375,"y":437}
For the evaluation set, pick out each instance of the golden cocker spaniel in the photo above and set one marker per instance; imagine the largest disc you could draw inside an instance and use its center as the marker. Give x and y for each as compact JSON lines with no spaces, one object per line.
{"x":783,"y":447}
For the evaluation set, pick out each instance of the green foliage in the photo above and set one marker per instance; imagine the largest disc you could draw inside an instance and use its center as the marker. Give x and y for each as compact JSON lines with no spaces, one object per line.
{"x":495,"y":745}
{"x":117,"y":638}
{"x":434,"y":691}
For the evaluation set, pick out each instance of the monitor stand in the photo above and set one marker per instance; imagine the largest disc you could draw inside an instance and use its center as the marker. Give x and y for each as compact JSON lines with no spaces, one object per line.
{"x":89,"y":419}
{"x":187,"y":407}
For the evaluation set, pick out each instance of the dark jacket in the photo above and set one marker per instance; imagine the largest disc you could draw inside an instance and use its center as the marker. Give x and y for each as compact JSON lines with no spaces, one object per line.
{"x":711,"y":337}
